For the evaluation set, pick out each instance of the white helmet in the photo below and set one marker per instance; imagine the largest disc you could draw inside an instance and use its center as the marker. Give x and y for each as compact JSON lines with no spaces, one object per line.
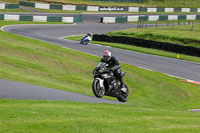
{"x":89,"y":34}
{"x":107,"y":55}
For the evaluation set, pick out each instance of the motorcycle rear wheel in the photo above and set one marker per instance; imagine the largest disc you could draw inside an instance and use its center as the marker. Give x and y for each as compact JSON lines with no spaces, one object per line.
{"x":124,"y":96}
{"x":97,"y":90}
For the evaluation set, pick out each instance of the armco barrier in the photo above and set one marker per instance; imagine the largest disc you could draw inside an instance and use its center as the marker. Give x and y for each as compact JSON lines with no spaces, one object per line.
{"x":34,"y":18}
{"x":9,"y":6}
{"x":97,"y":8}
{"x":188,"y":50}
{"x":137,"y":18}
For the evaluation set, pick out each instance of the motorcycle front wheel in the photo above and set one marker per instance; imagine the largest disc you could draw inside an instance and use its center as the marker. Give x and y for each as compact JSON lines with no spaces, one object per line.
{"x":86,"y":42}
{"x":97,"y":90}
{"x":123,"y":95}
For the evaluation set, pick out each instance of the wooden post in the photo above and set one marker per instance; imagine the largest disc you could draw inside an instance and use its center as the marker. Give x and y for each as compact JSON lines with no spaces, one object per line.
{"x":179,"y":23}
{"x":138,"y":24}
{"x":156,"y":23}
{"x":192,"y":26}
{"x":143,"y":24}
{"x":173,"y":26}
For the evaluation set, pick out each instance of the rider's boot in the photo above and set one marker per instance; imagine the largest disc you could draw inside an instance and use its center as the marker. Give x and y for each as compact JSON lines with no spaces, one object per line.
{"x":122,"y":88}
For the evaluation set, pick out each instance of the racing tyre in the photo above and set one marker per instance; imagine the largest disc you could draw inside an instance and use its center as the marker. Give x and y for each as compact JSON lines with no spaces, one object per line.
{"x":97,"y":90}
{"x":123,"y":95}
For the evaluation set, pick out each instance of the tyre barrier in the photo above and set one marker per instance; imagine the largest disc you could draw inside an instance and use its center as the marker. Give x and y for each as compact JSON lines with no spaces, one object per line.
{"x":176,"y":48}
{"x":34,"y":18}
{"x":137,"y":18}
{"x":100,"y":8}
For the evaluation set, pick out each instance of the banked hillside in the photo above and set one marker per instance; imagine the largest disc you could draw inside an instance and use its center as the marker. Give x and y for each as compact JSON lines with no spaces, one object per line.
{"x":152,"y":95}
{"x":157,"y":104}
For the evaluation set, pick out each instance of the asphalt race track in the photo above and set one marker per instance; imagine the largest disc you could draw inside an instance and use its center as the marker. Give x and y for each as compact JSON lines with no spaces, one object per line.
{"x":54,"y":33}
{"x":16,"y":90}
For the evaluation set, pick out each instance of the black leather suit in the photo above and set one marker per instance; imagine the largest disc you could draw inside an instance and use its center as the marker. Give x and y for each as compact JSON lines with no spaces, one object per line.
{"x":114,"y":65}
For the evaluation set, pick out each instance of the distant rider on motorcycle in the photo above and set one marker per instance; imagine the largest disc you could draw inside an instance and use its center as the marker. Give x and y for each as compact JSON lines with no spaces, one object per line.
{"x":113,"y":65}
{"x":86,"y":38}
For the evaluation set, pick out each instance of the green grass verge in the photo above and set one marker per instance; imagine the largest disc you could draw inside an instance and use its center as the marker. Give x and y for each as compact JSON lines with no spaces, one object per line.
{"x":147,"y":3}
{"x":13,"y":11}
{"x":142,"y":50}
{"x":23,"y":116}
{"x":159,"y":102}
{"x":180,"y":34}
{"x":5,"y":22}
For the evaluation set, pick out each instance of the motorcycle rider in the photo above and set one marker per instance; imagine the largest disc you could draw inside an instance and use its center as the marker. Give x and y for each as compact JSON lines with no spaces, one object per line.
{"x":113,"y":65}
{"x":87,"y":37}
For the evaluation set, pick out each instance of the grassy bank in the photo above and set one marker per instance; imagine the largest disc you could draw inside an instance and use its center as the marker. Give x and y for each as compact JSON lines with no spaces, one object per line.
{"x":180,"y":34}
{"x":159,"y":103}
{"x":40,"y":63}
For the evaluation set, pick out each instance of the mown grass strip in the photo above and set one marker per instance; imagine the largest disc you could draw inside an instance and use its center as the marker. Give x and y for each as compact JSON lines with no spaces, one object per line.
{"x":14,"y":11}
{"x":22,"y":116}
